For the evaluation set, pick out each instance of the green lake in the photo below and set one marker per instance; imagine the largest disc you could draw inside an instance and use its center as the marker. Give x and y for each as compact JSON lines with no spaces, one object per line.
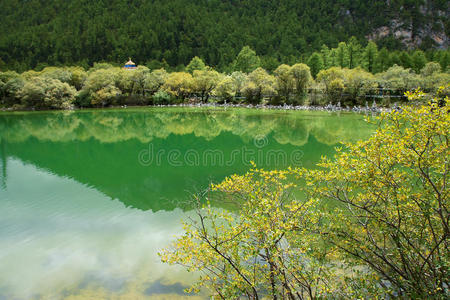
{"x":88,"y":198}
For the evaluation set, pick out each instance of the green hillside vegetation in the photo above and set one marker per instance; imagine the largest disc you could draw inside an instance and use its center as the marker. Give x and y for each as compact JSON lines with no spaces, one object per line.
{"x":38,"y":33}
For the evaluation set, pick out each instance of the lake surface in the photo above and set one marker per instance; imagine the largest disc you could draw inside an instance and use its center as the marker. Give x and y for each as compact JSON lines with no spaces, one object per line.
{"x":88,"y":198}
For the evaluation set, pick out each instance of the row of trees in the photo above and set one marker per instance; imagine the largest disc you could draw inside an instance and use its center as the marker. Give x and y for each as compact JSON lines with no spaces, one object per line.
{"x":352,"y":54}
{"x":105,"y":85}
{"x":370,"y":223}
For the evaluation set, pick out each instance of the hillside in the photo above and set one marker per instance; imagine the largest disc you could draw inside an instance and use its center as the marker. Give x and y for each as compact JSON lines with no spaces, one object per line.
{"x":82,"y":32}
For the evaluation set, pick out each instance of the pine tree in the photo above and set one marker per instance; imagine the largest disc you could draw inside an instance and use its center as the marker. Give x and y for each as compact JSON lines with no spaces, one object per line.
{"x":405,"y":60}
{"x":342,"y":55}
{"x":419,"y":60}
{"x":370,"y":56}
{"x":444,"y":60}
{"x":383,"y":61}
{"x":315,"y":63}
{"x":327,"y":61}
{"x":195,"y":64}
{"x":246,"y":61}
{"x":354,"y":52}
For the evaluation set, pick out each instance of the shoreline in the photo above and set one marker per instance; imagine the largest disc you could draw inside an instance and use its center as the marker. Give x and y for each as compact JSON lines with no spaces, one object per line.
{"x":327,"y":108}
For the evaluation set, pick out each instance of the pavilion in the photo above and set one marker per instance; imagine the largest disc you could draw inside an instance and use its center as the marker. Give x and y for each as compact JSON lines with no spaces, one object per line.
{"x":130,"y":65}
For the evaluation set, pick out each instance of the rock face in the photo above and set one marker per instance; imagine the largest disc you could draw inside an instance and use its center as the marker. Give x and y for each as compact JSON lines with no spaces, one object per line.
{"x":415,"y":24}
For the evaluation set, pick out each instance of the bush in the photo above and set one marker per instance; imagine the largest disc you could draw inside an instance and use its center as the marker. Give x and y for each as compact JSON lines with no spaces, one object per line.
{"x":203,"y":82}
{"x":161,"y":97}
{"x":258,"y":84}
{"x":372,"y":222}
{"x":104,"y":84}
{"x":10,"y":85}
{"x":178,"y":84}
{"x":398,"y":79}
{"x":225,"y":89}
{"x":105,"y":96}
{"x":45,"y":92}
{"x":284,"y":82}
{"x":61,"y":74}
{"x":358,"y":83}
{"x":82,"y":99}
{"x":155,"y":80}
{"x":101,"y":85}
{"x":302,"y":78}
{"x":332,"y":83}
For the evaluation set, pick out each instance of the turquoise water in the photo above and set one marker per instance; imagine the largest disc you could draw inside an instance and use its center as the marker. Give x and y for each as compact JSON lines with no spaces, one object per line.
{"x":87,"y":198}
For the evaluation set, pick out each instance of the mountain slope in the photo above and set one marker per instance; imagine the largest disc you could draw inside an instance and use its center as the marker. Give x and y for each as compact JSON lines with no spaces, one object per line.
{"x":69,"y":31}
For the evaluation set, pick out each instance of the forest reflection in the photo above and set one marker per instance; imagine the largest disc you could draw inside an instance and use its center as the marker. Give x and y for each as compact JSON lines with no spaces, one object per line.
{"x":100,"y":148}
{"x":110,"y":126}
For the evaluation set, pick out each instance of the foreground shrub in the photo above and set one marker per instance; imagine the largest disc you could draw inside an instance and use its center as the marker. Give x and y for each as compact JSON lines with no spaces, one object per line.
{"x":394,"y":188}
{"x":372,"y":222}
{"x":258,"y":249}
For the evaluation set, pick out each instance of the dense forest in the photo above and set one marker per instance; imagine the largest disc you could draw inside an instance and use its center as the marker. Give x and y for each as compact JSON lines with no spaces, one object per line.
{"x":37,"y":33}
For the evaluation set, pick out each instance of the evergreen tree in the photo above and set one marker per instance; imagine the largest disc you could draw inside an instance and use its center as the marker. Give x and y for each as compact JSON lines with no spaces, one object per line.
{"x":195,"y":64}
{"x":383,"y":61}
{"x":327,"y":60}
{"x":332,"y":58}
{"x":315,"y":64}
{"x":354,"y":52}
{"x":246,"y":61}
{"x":395,"y":59}
{"x":418,"y":60}
{"x":370,"y":56}
{"x":269,"y":63}
{"x":405,"y":60}
{"x":444,"y":60}
{"x":342,"y":55}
